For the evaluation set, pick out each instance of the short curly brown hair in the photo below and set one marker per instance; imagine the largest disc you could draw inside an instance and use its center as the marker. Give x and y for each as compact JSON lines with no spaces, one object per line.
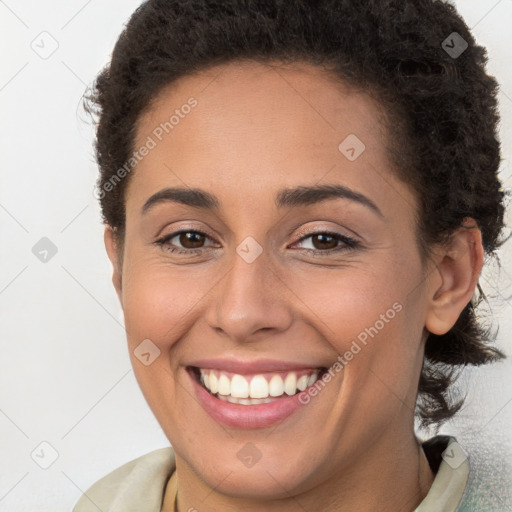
{"x":441,"y":109}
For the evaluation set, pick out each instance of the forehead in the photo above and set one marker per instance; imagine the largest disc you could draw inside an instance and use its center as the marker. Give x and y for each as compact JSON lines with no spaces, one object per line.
{"x":251,"y":94}
{"x":262,"y":127}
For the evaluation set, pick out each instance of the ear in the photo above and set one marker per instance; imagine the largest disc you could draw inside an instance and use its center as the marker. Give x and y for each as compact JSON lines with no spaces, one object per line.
{"x":458,"y":267}
{"x":115,"y":257}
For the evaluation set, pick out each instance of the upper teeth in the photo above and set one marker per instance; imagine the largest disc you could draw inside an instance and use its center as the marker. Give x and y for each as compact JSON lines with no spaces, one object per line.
{"x":257,"y":386}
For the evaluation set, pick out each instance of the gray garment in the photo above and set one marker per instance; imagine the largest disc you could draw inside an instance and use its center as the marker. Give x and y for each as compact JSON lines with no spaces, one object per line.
{"x":139,"y":485}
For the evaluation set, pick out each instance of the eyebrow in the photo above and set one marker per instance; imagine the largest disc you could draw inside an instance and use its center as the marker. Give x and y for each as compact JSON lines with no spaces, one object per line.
{"x":285,"y":198}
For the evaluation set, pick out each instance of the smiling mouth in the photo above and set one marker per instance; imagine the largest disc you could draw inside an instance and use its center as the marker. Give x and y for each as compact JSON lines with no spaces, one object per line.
{"x":255,"y":389}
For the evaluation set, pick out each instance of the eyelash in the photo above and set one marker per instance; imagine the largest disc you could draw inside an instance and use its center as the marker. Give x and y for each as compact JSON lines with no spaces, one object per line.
{"x":349,"y":243}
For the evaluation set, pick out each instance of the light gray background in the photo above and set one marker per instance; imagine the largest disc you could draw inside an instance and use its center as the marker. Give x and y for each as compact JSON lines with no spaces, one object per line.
{"x":66,"y":378}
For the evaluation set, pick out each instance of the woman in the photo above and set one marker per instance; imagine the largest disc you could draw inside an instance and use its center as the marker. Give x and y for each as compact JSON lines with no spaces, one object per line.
{"x":298,"y":197}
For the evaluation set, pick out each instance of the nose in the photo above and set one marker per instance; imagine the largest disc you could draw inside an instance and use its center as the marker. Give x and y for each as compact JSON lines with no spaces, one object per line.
{"x":250,"y":301}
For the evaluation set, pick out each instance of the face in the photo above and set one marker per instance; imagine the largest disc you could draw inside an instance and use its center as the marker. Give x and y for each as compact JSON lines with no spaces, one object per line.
{"x":263,"y":285}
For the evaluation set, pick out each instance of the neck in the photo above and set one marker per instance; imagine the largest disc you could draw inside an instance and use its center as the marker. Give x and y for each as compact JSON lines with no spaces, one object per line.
{"x":390,"y":476}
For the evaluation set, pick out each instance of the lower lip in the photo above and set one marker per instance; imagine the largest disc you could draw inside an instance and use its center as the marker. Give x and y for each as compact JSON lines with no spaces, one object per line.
{"x":246,"y":416}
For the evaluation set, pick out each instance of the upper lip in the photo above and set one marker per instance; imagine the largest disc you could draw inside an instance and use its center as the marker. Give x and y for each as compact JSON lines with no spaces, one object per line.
{"x":255,"y":366}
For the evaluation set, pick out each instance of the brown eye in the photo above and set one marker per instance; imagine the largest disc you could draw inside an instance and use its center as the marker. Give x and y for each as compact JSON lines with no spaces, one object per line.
{"x":324,"y":241}
{"x":184,"y":241}
{"x":191,"y":239}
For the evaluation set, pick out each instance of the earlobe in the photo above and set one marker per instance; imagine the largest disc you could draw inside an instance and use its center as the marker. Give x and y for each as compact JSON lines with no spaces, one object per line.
{"x":114,"y":257}
{"x":458,"y":265}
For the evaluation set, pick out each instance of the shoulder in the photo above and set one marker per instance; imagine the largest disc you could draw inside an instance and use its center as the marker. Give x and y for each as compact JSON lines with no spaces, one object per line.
{"x":137,"y":485}
{"x":450,"y":464}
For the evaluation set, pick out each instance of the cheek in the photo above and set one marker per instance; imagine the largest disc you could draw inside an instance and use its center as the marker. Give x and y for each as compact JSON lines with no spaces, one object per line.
{"x":371,"y":321}
{"x":368,"y":332}
{"x":345,"y":303}
{"x":157,"y":302}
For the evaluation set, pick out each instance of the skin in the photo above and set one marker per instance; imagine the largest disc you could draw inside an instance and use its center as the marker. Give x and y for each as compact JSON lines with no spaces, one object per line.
{"x":258,"y":128}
